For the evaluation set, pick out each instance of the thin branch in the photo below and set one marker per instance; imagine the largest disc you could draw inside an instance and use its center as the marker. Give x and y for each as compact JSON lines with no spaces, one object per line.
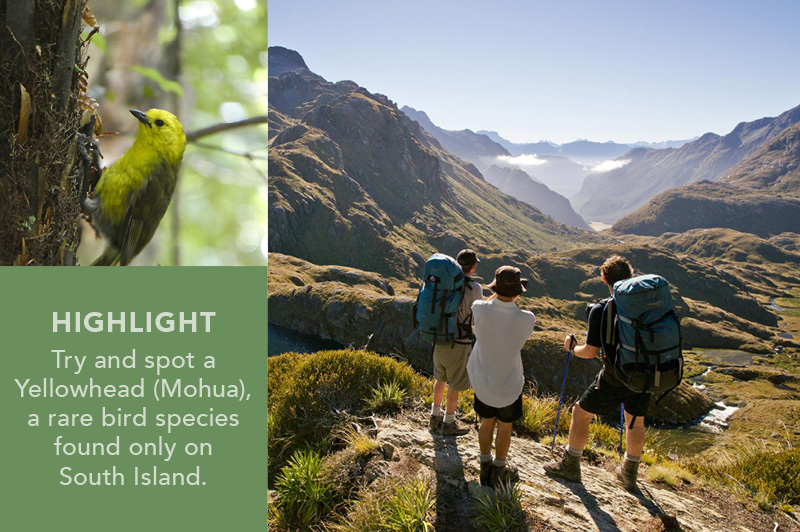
{"x":250,"y":156}
{"x":193,"y":136}
{"x":247,"y":155}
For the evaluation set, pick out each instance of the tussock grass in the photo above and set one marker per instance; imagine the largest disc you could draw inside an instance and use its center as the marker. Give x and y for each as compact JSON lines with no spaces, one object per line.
{"x":772,"y":478}
{"x":501,"y":510}
{"x":386,"y":397}
{"x":669,"y":473}
{"x":539,"y":416}
{"x":359,"y":441}
{"x":304,"y":496}
{"x":385,"y":507}
{"x":605,"y":436}
{"x":408,"y":510}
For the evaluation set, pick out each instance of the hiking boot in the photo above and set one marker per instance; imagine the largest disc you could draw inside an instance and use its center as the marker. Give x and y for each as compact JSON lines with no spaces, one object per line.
{"x":436,"y":422}
{"x":503,"y":474}
{"x":454,"y":428}
{"x":486,"y":473}
{"x":627,"y":473}
{"x":569,"y":468}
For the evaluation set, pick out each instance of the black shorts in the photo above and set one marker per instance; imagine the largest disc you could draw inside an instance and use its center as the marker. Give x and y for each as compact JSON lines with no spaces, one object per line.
{"x":507,"y":414}
{"x":605,"y":394}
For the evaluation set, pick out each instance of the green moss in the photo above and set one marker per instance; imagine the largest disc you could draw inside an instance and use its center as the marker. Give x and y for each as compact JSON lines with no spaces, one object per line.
{"x":715,"y":377}
{"x":691,"y":369}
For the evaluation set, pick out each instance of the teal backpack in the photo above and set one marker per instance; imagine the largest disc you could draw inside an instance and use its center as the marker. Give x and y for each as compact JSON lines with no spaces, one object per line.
{"x":642,"y":332}
{"x":439,"y":297}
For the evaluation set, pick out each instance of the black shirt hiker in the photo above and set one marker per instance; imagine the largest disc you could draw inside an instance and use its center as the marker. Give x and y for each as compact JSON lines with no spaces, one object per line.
{"x":605,"y":394}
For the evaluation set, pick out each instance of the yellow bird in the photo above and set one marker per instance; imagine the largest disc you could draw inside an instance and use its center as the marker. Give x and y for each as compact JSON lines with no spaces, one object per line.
{"x":133,"y":194}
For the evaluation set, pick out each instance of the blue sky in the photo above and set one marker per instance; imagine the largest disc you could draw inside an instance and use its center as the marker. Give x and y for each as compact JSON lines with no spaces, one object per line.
{"x":561,"y":69}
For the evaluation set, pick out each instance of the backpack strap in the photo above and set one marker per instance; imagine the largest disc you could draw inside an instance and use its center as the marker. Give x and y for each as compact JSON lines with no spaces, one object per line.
{"x":608,"y":334}
{"x":464,"y":327}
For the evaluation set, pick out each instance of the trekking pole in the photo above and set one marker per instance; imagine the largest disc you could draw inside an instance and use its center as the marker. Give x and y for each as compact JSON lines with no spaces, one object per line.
{"x":561,"y":398}
{"x":621,"y":425}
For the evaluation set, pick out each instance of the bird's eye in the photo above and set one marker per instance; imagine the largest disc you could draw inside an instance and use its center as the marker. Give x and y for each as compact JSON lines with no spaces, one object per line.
{"x":159,"y":122}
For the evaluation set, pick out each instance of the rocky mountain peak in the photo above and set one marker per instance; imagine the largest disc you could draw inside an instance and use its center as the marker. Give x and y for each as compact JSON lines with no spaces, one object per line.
{"x":284,"y":60}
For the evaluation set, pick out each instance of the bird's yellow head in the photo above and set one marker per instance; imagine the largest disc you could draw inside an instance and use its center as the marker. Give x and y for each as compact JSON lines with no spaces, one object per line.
{"x":161,"y":132}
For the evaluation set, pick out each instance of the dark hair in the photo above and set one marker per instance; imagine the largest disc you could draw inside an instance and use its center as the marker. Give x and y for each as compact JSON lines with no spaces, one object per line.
{"x":616,"y":268}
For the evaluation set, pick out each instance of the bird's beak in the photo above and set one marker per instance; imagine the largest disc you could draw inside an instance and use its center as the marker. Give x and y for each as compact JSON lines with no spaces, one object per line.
{"x":141,"y":117}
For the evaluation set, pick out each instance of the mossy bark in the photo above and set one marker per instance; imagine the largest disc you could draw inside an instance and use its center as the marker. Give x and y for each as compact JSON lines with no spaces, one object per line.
{"x":41,"y":61}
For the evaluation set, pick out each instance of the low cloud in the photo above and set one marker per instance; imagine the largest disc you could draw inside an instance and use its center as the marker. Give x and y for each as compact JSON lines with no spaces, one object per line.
{"x":607,"y":166}
{"x":522,"y":160}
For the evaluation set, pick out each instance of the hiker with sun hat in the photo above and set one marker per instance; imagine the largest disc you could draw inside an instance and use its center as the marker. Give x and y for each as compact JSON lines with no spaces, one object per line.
{"x":495,"y":371}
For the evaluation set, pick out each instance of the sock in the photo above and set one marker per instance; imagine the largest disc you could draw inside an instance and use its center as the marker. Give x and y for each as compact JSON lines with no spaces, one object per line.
{"x":499,"y":463}
{"x":436,"y":410}
{"x":574,"y":452}
{"x":449,"y":418}
{"x":486,"y":458}
{"x":633,"y":458}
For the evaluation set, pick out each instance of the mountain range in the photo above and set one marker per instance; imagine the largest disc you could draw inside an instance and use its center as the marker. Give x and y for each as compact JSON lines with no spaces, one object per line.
{"x":642,"y":173}
{"x":354,"y":181}
{"x":759,"y":195}
{"x":488,"y":156}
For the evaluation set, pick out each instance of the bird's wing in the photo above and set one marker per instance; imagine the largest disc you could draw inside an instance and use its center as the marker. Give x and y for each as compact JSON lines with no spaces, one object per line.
{"x":146,"y":207}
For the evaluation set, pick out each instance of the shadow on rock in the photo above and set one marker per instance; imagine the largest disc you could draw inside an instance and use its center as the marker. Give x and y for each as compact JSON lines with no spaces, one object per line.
{"x":601,"y":518}
{"x":454,"y":508}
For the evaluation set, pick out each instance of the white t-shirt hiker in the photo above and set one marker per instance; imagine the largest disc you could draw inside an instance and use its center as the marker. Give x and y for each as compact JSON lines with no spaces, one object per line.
{"x":495,"y":371}
{"x":495,"y":365}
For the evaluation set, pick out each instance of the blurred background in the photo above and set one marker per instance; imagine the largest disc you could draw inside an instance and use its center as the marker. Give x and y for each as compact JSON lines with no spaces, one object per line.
{"x":205,"y":61}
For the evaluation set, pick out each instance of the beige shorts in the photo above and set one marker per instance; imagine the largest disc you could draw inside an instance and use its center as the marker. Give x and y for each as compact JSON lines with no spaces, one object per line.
{"x":450,"y":365}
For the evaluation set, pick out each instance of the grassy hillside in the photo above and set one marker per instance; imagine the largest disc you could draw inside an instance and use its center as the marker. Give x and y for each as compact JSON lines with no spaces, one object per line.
{"x":705,"y":204}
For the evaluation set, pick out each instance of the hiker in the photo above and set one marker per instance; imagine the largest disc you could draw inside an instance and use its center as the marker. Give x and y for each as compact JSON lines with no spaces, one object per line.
{"x":495,"y":370}
{"x":450,"y":358}
{"x":605,"y":393}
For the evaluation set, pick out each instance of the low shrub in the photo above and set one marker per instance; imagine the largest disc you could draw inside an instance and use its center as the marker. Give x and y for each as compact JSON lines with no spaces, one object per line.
{"x":313,"y":395}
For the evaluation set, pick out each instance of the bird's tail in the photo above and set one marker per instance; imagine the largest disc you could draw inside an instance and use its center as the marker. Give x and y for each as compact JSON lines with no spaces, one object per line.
{"x":109,"y":257}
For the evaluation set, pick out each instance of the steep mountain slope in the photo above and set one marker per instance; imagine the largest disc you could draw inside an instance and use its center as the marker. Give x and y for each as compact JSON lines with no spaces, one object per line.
{"x":774,"y":166}
{"x":353,"y":181}
{"x":517,"y":183}
{"x":560,"y":174}
{"x":483,"y":153}
{"x":465,"y":144}
{"x":760,"y":195}
{"x":611,"y":195}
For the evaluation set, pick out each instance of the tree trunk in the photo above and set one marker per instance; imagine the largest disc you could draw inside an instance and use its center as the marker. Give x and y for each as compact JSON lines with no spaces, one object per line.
{"x":41,"y":166}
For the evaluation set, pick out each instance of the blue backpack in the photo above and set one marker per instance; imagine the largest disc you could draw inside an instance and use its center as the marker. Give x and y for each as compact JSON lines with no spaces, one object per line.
{"x":439,"y":298}
{"x":643,"y":334}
